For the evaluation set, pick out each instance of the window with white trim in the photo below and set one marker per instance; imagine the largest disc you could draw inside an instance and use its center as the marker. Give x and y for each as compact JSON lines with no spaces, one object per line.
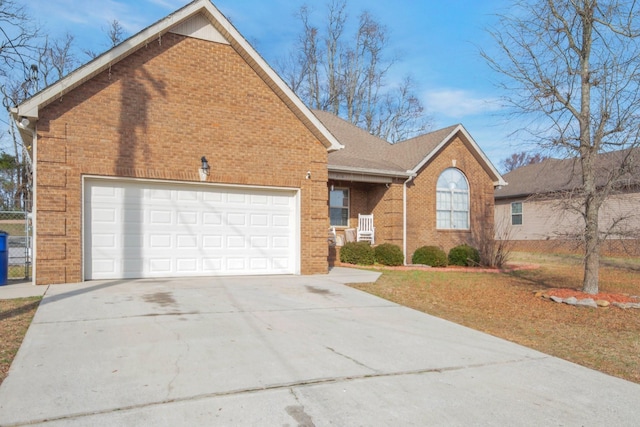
{"x":516,"y":213}
{"x":452,"y":200}
{"x":339,"y":207}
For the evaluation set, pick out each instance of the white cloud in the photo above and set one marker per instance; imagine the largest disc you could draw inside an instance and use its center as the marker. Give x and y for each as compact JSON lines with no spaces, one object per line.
{"x":88,"y":21}
{"x":458,"y":103}
{"x":170,"y":5}
{"x":62,"y":12}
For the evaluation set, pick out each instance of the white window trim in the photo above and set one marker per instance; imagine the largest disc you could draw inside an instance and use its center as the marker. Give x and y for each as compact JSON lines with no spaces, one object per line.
{"x":348,"y":207}
{"x":521,"y":214}
{"x":452,"y":210}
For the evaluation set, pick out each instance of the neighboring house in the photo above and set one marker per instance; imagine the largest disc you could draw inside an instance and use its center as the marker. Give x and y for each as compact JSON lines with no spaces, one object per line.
{"x":117,"y":148}
{"x":121,"y":189}
{"x":435,"y":189}
{"x":540,"y":208}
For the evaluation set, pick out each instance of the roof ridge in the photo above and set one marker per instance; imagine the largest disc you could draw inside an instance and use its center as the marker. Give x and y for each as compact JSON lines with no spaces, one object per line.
{"x":447,"y":128}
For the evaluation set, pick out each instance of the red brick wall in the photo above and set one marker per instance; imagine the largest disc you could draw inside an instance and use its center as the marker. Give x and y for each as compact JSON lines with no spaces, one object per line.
{"x":421,"y":201}
{"x":153,"y":115}
{"x":386,"y":203}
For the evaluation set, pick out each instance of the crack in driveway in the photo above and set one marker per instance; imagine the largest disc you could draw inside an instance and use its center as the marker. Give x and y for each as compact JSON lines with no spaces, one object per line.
{"x":283,"y":386}
{"x":357,"y":362}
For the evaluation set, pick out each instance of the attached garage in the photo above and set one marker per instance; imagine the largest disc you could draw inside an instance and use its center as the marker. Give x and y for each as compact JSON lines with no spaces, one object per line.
{"x":141,"y":229}
{"x":117,"y":146}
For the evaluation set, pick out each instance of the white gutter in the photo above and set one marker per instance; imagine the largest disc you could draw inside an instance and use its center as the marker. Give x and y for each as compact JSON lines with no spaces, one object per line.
{"x":27,"y":127}
{"x":404,"y":217}
{"x":369,"y":171}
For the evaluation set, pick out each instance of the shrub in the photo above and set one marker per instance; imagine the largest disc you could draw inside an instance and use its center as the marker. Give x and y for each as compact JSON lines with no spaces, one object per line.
{"x":464,"y":255}
{"x":495,"y":244}
{"x":360,"y":253}
{"x":389,"y":254}
{"x":430,"y":255}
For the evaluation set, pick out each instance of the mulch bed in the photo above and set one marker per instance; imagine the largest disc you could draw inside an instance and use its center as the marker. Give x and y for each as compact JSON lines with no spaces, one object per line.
{"x":457,"y":269}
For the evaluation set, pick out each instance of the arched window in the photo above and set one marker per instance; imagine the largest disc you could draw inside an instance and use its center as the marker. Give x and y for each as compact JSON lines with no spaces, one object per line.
{"x":452,"y":200}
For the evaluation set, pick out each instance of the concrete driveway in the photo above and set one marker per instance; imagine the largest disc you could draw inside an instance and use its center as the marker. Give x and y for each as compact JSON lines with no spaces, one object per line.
{"x":285,"y":351}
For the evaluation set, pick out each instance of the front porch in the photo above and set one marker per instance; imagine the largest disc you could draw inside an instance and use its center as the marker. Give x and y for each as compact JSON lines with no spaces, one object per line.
{"x":348,"y":199}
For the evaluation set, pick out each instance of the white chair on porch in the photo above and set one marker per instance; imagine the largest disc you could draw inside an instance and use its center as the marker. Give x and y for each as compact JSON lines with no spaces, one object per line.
{"x":366,"y":231}
{"x":333,"y":237}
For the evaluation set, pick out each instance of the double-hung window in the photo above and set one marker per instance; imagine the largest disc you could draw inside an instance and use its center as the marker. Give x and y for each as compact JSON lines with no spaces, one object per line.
{"x":339,"y":207}
{"x":516,"y":213}
{"x":452,"y":201}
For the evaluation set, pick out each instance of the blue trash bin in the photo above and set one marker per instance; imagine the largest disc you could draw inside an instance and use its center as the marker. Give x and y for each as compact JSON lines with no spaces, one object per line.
{"x":4,"y":257}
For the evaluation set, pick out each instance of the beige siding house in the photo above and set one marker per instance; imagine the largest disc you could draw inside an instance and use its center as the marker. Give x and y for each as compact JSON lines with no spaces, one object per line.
{"x":539,"y":209}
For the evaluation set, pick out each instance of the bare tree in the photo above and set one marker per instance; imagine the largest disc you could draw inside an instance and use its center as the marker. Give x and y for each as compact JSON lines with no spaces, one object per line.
{"x":17,"y":34}
{"x":18,"y":170}
{"x":573,"y":66}
{"x":18,"y":37}
{"x":400,"y":114}
{"x":347,"y":76}
{"x":115,"y":34}
{"x":523,"y":158}
{"x":56,"y":57}
{"x":48,"y":62}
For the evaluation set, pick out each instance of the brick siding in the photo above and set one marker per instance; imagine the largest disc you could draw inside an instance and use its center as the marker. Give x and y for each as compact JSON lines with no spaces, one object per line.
{"x":153,"y":115}
{"x":386,"y":203}
{"x":421,"y":200}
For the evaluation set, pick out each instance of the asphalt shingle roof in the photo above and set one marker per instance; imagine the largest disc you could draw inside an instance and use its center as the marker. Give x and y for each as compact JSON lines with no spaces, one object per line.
{"x":365,"y":151}
{"x":552,"y":175}
{"x":411,"y":152}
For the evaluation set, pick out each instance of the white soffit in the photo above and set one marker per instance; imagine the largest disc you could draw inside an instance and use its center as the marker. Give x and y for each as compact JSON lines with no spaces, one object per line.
{"x":199,"y":27}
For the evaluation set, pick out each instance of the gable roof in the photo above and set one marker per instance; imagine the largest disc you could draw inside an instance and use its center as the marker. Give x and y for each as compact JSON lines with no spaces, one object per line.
{"x":365,"y":154}
{"x":412,"y":152}
{"x":362,"y":151}
{"x":200,"y":19}
{"x":556,"y":175}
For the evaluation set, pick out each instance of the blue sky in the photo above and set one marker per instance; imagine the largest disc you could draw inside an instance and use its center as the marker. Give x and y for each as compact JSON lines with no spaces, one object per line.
{"x":437,"y":43}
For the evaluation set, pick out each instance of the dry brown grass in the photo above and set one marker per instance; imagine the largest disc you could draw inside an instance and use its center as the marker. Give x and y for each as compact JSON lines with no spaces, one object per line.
{"x":504,"y":305}
{"x":15,"y":317}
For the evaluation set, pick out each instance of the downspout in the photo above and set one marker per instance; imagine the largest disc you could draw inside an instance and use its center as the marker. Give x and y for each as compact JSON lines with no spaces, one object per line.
{"x":404,"y":217}
{"x":28,"y":127}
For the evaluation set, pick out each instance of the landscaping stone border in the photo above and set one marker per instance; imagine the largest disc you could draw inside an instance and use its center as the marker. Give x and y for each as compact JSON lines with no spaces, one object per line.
{"x":588,"y":302}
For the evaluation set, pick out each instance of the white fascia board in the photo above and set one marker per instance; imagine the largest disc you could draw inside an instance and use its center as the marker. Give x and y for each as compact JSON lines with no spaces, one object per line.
{"x":30,"y":108}
{"x":498,"y":177}
{"x":498,"y":180}
{"x":366,"y":171}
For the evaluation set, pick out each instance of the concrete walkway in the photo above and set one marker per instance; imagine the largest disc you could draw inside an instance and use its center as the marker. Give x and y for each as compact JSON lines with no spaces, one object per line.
{"x":285,"y":351}
{"x":21,"y":289}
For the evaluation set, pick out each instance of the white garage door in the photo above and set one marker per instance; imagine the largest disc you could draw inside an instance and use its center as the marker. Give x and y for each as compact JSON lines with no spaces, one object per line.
{"x":140,"y":229}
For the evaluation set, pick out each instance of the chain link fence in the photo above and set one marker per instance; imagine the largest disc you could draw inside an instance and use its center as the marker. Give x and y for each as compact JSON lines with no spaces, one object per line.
{"x":18,"y":227}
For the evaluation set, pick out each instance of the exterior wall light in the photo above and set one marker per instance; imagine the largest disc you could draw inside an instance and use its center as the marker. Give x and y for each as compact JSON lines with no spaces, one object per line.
{"x":24,"y":123}
{"x":204,"y":169}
